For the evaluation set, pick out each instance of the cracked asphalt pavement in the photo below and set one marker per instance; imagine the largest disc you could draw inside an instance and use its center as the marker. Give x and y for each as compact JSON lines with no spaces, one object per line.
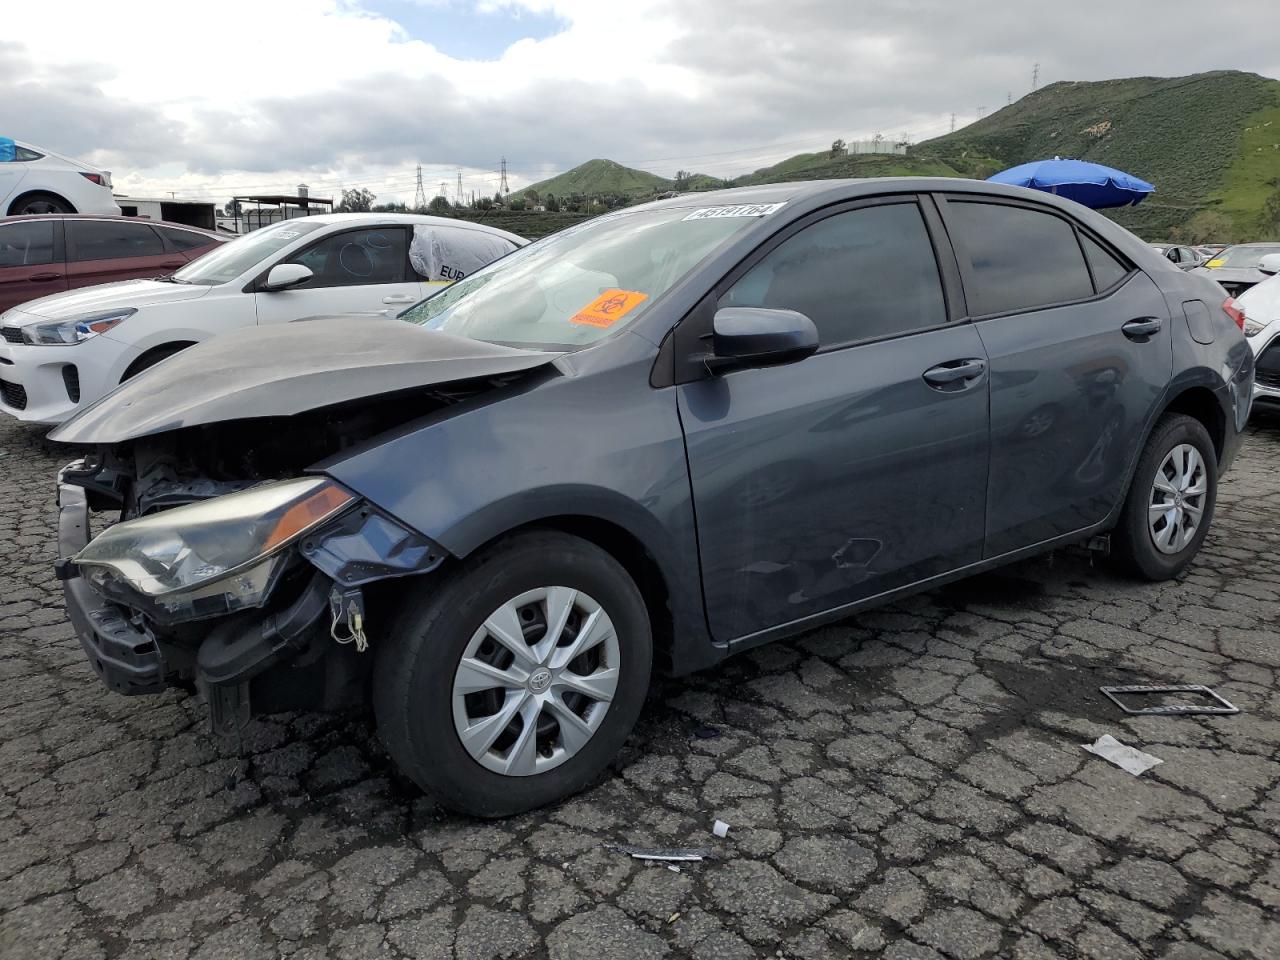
{"x":906,"y":784}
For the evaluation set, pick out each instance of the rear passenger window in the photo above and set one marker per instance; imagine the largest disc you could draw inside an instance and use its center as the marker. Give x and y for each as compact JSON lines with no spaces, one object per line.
{"x":1107,"y":270}
{"x":865,"y":273}
{"x":1021,"y":258}
{"x":113,"y":240}
{"x":185,"y":239}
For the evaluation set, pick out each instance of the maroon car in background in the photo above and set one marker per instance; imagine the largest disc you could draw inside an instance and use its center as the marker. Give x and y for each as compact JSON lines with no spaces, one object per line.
{"x":42,"y":255}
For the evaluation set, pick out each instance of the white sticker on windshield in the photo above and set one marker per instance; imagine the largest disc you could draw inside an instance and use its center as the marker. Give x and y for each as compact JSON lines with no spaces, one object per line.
{"x":736,"y":210}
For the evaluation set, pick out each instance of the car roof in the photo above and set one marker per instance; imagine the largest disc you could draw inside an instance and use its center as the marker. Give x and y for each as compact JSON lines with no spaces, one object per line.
{"x":406,"y":218}
{"x":28,"y":217}
{"x":816,"y":192}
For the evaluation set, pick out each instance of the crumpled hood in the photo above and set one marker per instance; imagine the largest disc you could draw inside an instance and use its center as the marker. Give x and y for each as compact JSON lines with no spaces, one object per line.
{"x":285,"y":369}
{"x":107,"y":296}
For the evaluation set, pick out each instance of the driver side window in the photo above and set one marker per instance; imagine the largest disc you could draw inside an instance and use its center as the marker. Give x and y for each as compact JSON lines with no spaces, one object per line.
{"x":858,"y":275}
{"x":355,"y":258}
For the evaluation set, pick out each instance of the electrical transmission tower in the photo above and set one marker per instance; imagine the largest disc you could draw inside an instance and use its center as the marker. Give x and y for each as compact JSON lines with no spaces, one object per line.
{"x":443,"y":191}
{"x":420,"y":196}
{"x":1035,"y":77}
{"x":457,"y":194}
{"x":502,"y":187}
{"x":953,"y":123}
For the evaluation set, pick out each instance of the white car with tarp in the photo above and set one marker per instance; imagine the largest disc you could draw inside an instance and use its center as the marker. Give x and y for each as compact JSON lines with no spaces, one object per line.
{"x":61,"y":353}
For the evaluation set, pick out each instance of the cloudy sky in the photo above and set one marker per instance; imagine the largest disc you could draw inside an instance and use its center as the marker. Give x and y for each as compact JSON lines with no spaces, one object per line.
{"x":258,"y":95}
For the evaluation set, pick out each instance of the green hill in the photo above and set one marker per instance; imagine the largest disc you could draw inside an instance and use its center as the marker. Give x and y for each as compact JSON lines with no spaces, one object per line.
{"x":1208,"y":142}
{"x":822,"y":166}
{"x":597,"y":178}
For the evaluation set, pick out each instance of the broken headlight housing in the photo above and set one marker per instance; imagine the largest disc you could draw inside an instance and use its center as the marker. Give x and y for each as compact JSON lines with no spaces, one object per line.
{"x":210,"y":558}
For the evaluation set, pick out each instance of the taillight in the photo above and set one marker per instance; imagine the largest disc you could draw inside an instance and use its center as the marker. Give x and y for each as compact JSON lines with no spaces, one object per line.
{"x":94,"y":178}
{"x":1232,"y":310}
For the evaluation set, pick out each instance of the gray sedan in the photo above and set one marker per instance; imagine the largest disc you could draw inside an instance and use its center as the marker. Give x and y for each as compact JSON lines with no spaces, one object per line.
{"x":656,"y":439}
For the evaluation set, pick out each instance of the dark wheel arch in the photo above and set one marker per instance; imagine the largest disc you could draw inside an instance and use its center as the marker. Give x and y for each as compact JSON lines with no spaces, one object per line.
{"x":154,"y":356}
{"x":60,"y":204}
{"x":1201,"y":404}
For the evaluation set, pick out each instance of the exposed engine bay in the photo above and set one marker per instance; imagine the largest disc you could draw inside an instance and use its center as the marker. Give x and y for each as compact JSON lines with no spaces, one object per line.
{"x":157,"y":472}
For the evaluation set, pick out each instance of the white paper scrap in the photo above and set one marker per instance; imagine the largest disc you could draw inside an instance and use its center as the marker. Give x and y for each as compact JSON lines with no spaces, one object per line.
{"x":1129,"y":759}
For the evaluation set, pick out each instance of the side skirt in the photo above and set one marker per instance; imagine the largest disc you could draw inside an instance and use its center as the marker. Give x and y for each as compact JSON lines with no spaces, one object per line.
{"x":761,"y":637}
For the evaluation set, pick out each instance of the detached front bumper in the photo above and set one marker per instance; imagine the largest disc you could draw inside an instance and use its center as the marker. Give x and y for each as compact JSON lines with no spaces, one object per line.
{"x":277,"y":657}
{"x":124,"y":657}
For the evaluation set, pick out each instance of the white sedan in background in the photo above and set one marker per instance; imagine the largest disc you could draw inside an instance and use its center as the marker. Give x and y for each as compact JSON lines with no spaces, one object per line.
{"x":1261,"y":306}
{"x":36,"y":180}
{"x":60,"y":353}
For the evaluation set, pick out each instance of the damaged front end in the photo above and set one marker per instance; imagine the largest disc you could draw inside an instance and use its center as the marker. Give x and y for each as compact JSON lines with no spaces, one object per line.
{"x":229,"y":563}
{"x":253,"y":597}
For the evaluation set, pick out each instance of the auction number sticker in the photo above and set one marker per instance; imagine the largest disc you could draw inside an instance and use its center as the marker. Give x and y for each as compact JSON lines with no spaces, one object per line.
{"x":736,"y":210}
{"x":608,"y":308}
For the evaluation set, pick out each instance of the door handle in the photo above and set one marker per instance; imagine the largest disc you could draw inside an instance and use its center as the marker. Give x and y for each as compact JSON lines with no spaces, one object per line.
{"x":955,"y":373}
{"x":400,"y":298}
{"x":44,"y":277}
{"x":1142,"y":329}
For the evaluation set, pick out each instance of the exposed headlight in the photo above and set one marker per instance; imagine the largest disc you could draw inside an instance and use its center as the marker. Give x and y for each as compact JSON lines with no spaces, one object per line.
{"x":1252,"y":327}
{"x":75,"y":330}
{"x":210,"y":558}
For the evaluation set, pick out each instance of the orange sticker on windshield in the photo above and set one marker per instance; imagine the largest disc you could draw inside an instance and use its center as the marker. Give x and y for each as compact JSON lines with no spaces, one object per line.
{"x":608,"y":308}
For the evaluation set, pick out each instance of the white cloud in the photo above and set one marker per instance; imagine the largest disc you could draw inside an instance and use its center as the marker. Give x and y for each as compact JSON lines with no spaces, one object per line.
{"x":258,"y":94}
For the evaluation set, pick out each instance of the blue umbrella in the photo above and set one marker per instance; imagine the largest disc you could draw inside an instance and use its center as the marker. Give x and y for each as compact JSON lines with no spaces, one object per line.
{"x":1091,"y":184}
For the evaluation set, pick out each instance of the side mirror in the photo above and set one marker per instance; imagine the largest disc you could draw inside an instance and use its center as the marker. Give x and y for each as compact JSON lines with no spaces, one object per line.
{"x":1270,"y":263}
{"x":759,"y":337}
{"x":285,"y":275}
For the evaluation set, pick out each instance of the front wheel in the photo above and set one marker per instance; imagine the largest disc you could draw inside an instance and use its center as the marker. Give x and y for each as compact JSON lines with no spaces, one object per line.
{"x":1171,"y":499}
{"x":517,"y":678}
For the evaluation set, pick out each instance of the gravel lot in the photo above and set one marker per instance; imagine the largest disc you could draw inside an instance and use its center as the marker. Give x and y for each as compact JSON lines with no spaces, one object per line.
{"x":907,"y":784}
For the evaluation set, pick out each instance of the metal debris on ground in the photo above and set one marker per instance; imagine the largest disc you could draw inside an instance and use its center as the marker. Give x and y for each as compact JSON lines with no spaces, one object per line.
{"x":665,"y":855}
{"x":1220,"y":707}
{"x":1129,"y":759}
{"x":721,"y":829}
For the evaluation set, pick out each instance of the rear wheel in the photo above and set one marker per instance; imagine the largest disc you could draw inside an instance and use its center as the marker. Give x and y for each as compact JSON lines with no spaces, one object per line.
{"x":40,"y":203}
{"x":1171,"y":499}
{"x":518,"y":678}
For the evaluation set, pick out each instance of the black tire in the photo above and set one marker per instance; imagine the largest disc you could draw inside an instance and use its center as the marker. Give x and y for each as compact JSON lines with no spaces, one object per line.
{"x":416,"y":661}
{"x":1133,"y":546}
{"x":35,"y":203}
{"x":151,"y":358}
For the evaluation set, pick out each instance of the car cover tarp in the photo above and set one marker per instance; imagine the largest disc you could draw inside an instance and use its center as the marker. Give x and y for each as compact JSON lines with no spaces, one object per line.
{"x":448,"y":254}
